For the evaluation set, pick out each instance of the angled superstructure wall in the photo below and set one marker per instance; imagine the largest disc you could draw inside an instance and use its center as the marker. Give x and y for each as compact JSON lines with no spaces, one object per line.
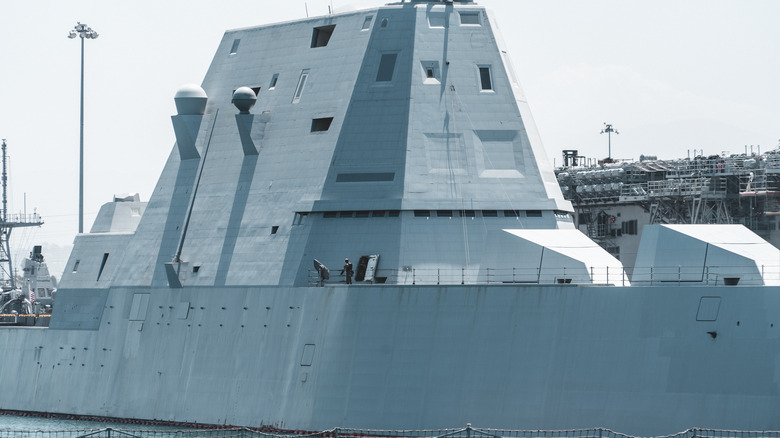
{"x":399,"y":131}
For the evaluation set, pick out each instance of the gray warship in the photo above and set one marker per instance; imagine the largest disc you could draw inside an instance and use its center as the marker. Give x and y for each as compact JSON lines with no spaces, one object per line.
{"x":399,"y":138}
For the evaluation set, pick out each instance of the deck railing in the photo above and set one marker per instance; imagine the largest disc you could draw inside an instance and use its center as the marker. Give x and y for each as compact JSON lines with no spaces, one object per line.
{"x":706,"y":275}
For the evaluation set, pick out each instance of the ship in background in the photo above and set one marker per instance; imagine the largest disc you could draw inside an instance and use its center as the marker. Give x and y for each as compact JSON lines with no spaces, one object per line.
{"x":397,"y":135}
{"x":614,"y":199}
{"x":29,"y":301}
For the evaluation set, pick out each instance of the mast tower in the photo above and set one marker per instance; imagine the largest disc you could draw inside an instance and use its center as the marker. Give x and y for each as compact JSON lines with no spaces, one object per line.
{"x":7,"y":224}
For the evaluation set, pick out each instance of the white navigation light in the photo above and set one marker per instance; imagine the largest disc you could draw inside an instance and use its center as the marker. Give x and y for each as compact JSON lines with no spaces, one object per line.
{"x":244,"y":99}
{"x":190,"y":100}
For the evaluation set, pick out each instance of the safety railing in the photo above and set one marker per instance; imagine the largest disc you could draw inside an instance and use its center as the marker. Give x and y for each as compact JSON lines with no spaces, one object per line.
{"x":707,"y":275}
{"x":467,"y":432}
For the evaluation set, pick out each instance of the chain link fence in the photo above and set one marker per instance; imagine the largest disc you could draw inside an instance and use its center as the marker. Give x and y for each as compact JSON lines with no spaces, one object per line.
{"x":467,"y":432}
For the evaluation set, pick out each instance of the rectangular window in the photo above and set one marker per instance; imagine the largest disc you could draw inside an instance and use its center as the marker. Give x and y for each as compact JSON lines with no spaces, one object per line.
{"x":345,"y":214}
{"x":274,"y":79}
{"x":393,"y":213}
{"x":533,"y":213}
{"x":629,"y":227}
{"x":489,"y":213}
{"x":361,"y":214}
{"x":485,"y":79}
{"x":367,"y":22}
{"x":469,"y":18}
{"x":234,"y":49}
{"x":301,"y":86}
{"x":422,"y":213}
{"x":444,"y":213}
{"x":330,"y":214}
{"x":379,"y":213}
{"x":102,"y":265}
{"x":300,"y":218}
{"x":323,"y":124}
{"x":76,"y":265}
{"x":510,"y":213}
{"x":321,"y":36}
{"x":431,"y":72}
{"x":386,"y":67}
{"x":468,"y":213}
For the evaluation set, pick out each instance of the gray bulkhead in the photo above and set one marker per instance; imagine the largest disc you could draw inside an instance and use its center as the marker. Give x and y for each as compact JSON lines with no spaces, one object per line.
{"x":243,"y":343}
{"x":398,"y":141}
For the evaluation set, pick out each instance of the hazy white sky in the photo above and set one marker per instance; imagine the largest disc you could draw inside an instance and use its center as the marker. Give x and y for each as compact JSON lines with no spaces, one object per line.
{"x":670,"y":75}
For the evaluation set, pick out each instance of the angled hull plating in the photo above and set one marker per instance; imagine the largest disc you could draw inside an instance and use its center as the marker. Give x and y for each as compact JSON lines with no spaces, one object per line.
{"x":398,"y":132}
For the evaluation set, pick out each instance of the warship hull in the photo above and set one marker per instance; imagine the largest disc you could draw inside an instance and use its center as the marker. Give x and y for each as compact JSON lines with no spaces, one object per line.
{"x":638,"y":360}
{"x":398,"y":135}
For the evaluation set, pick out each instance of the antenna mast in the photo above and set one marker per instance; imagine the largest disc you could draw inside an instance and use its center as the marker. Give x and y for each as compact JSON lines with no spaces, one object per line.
{"x":5,"y":187}
{"x":7,"y":224}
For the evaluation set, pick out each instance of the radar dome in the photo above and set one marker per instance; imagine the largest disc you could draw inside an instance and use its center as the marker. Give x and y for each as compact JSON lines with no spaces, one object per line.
{"x":244,"y":99}
{"x":190,"y":100}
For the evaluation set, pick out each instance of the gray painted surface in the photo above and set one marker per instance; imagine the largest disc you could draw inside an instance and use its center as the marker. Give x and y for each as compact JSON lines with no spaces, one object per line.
{"x":244,"y":341}
{"x":633,"y":359}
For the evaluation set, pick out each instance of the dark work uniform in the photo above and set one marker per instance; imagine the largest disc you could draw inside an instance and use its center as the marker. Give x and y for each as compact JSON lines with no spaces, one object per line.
{"x":348,"y":270}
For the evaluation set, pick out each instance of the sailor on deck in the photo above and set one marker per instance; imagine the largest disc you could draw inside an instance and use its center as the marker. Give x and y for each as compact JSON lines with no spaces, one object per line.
{"x":348,"y":270}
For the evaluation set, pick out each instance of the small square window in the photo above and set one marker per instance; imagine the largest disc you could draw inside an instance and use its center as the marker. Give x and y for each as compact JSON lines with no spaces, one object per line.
{"x":489,"y":213}
{"x":485,"y":79}
{"x":386,"y":67}
{"x":195,"y":269}
{"x":234,"y":48}
{"x":367,"y":22}
{"x":431,"y":73}
{"x":319,"y":125}
{"x":384,"y":23}
{"x":274,"y":229}
{"x":470,"y":18}
{"x":274,"y":79}
{"x":321,"y":35}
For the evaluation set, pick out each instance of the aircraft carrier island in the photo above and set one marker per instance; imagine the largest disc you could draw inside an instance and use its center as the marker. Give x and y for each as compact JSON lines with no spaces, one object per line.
{"x":398,"y":138}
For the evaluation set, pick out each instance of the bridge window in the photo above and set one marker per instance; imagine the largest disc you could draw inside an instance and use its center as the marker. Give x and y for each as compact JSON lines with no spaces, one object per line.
{"x":234,"y":48}
{"x":319,"y":125}
{"x":485,"y":78}
{"x":386,"y":67}
{"x":321,"y":35}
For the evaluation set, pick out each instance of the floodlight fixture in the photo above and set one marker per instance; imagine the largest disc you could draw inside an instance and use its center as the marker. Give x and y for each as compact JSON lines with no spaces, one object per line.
{"x":608,"y":129}
{"x":84,"y":32}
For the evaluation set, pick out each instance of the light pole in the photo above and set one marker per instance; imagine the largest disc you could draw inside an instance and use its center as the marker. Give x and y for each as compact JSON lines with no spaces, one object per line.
{"x":608,"y":129}
{"x":82,"y":31}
